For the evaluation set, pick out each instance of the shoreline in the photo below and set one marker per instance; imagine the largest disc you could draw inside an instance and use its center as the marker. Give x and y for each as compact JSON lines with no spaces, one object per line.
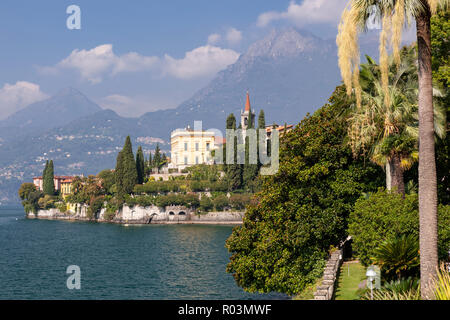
{"x":145,"y":216}
{"x":135,"y":223}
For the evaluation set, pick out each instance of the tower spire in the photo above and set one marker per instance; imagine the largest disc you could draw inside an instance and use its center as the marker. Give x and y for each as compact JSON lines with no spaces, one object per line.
{"x":247,"y":103}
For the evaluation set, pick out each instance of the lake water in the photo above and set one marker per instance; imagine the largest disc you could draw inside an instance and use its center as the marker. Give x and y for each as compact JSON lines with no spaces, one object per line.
{"x":116,"y":262}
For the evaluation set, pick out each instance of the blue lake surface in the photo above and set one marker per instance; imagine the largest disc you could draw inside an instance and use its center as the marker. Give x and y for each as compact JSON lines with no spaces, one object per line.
{"x":116,"y":262}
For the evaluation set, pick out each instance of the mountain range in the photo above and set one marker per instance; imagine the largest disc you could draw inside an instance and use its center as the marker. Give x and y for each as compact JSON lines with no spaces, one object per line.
{"x":288,"y":73}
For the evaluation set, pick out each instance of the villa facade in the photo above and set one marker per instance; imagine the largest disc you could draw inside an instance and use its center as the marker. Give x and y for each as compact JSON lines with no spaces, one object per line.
{"x":190,"y":147}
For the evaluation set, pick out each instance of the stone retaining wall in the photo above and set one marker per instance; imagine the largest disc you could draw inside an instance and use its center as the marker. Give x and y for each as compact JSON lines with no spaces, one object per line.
{"x":146,"y":215}
{"x":326,"y":289}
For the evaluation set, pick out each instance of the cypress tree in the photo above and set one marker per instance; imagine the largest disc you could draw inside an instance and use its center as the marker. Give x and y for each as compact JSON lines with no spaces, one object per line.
{"x":234,"y":170}
{"x":157,"y":157}
{"x":261,"y":120}
{"x":148,"y":165}
{"x":140,"y":166}
{"x":49,"y":183}
{"x":251,"y":170}
{"x":261,"y":125}
{"x":150,"y":160}
{"x":44,"y":174}
{"x":163,"y":160}
{"x":126,"y":173}
{"x":129,"y":167}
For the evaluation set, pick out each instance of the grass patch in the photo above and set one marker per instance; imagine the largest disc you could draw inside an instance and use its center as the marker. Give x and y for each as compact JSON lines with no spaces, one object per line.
{"x":308,"y":292}
{"x":350,"y":276}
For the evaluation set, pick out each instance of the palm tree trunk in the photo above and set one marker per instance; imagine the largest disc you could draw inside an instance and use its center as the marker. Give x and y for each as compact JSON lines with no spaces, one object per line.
{"x":396,"y":175}
{"x":427,"y":163}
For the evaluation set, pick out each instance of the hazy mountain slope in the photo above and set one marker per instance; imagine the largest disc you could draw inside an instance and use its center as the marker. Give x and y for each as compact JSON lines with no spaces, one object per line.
{"x":86,"y":145}
{"x":288,"y":74}
{"x":67,"y":105}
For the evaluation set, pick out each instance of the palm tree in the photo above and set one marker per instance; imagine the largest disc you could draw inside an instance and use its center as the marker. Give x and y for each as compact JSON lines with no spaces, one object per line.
{"x":388,"y":132}
{"x":392,"y":14}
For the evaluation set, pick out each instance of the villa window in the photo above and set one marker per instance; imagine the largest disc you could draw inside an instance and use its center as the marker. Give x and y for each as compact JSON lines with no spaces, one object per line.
{"x":196,"y":146}
{"x":207,"y":146}
{"x":185,"y":146}
{"x":185,"y":160}
{"x":196,"y":160}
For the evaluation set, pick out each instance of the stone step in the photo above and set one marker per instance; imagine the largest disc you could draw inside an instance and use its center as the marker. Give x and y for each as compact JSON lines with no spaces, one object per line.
{"x":328,"y":277}
{"x":321,"y":292}
{"x":322,"y":287}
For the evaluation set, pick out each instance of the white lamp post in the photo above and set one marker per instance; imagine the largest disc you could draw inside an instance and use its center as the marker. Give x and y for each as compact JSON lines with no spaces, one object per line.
{"x":371,"y":274}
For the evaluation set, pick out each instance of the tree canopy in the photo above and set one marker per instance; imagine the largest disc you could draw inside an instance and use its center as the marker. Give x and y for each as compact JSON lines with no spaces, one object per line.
{"x":302,"y":210}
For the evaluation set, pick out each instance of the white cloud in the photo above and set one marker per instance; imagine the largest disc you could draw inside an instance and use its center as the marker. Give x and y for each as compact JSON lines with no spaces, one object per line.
{"x":234,"y":36}
{"x":95,"y":63}
{"x":133,"y":62}
{"x":308,"y":12}
{"x":214,"y":38}
{"x":202,"y":61}
{"x":130,"y":106}
{"x":14,"y":97}
{"x":91,"y":64}
{"x":118,"y":103}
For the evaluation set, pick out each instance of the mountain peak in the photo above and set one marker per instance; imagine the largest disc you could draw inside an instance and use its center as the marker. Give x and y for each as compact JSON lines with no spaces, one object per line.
{"x":287,"y":42}
{"x":67,"y":105}
{"x":68,"y":92}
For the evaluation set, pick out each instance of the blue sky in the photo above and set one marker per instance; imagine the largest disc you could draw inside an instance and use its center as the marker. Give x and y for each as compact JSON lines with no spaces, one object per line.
{"x":137,"y":56}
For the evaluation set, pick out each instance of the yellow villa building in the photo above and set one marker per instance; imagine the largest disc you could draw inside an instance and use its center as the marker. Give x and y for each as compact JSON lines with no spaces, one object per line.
{"x":190,"y":147}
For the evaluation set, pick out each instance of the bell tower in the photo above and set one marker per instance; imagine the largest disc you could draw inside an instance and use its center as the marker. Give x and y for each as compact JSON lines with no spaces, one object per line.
{"x":248,"y":116}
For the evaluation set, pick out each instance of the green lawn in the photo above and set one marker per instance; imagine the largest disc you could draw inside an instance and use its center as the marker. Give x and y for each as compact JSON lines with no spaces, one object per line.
{"x":308,"y":292}
{"x":350,"y":276}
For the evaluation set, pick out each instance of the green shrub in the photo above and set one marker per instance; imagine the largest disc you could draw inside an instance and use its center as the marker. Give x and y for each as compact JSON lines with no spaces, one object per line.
{"x":220,"y":202}
{"x":404,"y":289}
{"x":145,"y":201}
{"x":239,"y":201}
{"x":398,"y":257}
{"x":109,"y":216}
{"x":385,"y":215}
{"x":62,"y":207}
{"x":130,"y":201}
{"x":220,"y":186}
{"x":206,"y":204}
{"x":28,"y":208}
{"x":188,"y":200}
{"x":203,"y":172}
{"x":155,"y":187}
{"x":25,"y":190}
{"x":95,"y":205}
{"x":46,"y":202}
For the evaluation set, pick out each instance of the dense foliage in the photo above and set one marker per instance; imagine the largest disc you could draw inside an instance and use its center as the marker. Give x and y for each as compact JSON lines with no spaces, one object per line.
{"x":385,"y":216}
{"x":440,"y":47}
{"x":303,"y":208}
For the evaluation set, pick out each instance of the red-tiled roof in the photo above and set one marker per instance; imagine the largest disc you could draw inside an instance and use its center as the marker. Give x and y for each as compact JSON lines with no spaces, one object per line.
{"x":58,"y":177}
{"x":279,"y":128}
